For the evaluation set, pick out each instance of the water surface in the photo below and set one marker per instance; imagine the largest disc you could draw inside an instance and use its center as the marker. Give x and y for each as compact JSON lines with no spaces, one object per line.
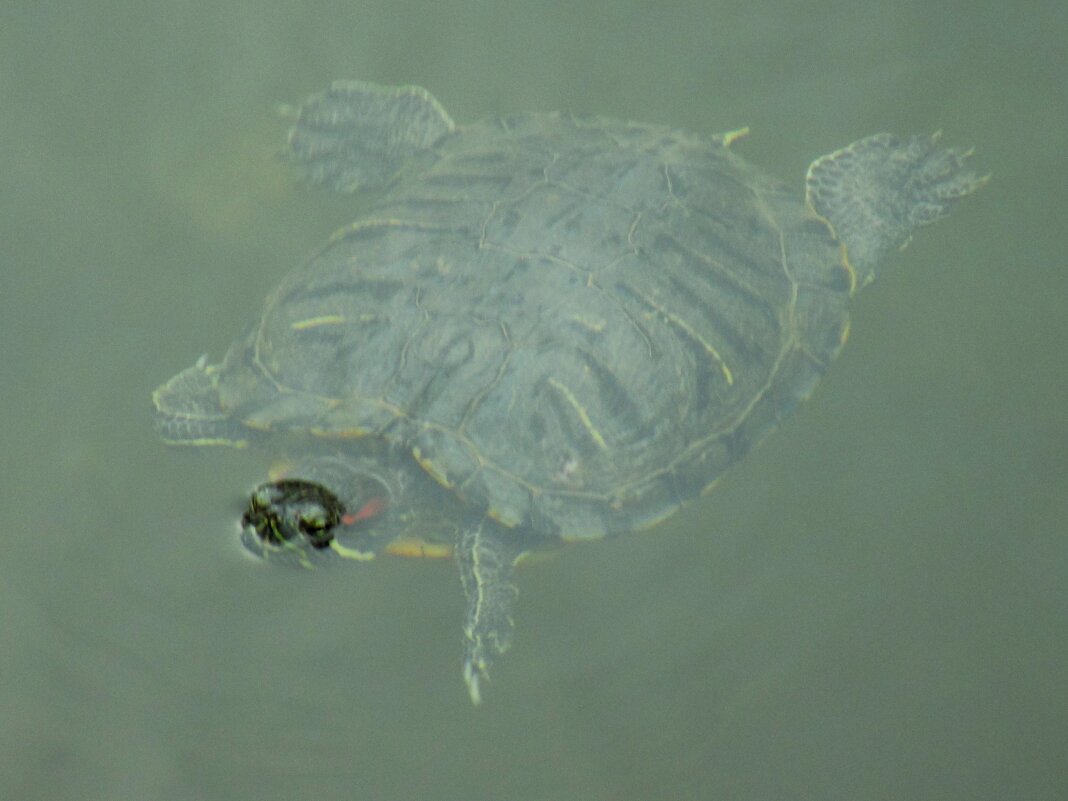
{"x":870,"y":607}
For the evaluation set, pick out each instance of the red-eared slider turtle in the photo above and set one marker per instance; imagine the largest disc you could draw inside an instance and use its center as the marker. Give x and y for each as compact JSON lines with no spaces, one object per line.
{"x":547,"y":328}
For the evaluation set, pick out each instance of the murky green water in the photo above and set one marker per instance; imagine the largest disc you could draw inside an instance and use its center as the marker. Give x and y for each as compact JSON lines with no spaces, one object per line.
{"x":871,"y":607}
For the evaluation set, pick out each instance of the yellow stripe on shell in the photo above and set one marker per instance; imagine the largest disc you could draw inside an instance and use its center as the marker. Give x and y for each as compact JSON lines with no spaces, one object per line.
{"x":204,"y":442}
{"x":730,"y":137}
{"x":508,"y":522}
{"x":431,"y":469}
{"x":315,"y":322}
{"x":844,"y":261}
{"x":580,"y":410}
{"x":692,"y":333}
{"x":330,"y":433}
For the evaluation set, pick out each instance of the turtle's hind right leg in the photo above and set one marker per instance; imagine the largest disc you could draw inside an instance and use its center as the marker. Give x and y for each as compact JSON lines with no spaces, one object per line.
{"x":357,"y":135}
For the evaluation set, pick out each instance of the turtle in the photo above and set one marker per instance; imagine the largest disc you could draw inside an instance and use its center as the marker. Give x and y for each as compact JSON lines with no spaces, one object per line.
{"x":543,"y":328}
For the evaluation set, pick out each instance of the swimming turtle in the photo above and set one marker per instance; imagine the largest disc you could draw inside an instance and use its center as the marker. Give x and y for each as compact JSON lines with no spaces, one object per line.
{"x":546,"y":328}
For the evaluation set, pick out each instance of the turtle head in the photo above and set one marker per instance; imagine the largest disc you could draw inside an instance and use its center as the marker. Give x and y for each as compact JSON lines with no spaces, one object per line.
{"x":291,"y":520}
{"x":320,"y":512}
{"x":352,"y":506}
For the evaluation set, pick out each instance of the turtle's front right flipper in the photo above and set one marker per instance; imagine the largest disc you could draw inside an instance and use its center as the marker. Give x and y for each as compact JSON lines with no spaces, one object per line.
{"x":358,"y":135}
{"x":486,"y":564}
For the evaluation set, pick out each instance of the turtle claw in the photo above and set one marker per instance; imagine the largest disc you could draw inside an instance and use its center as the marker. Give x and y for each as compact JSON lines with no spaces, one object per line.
{"x":472,"y":675}
{"x":479,"y":655}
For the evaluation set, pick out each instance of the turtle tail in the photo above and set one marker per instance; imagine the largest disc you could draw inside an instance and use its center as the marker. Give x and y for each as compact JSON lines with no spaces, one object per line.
{"x":358,"y":135}
{"x":877,"y":191}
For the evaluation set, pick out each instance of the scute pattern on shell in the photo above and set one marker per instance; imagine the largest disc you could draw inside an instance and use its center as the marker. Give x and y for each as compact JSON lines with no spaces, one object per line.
{"x":576,"y":324}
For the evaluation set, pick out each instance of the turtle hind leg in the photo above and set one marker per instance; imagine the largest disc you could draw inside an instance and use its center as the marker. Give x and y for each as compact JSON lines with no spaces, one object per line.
{"x":486,"y":562}
{"x":877,"y":191}
{"x":358,"y":135}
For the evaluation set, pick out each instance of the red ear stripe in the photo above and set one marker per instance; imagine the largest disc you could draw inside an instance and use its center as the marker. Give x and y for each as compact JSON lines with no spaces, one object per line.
{"x":372,"y":508}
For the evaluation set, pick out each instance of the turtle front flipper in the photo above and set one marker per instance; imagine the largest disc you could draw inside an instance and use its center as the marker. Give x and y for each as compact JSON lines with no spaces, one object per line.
{"x":877,"y":191}
{"x":188,"y":411}
{"x":358,"y":135}
{"x":486,"y":562}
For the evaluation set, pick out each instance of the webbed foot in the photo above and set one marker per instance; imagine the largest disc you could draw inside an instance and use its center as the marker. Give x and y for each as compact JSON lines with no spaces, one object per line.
{"x":877,"y":191}
{"x":486,"y":562}
{"x":358,"y":135}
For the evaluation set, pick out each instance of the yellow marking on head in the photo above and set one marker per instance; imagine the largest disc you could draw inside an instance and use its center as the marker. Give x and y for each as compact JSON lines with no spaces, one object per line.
{"x":351,"y":553}
{"x":304,"y":561}
{"x":580,"y":410}
{"x":315,"y":322}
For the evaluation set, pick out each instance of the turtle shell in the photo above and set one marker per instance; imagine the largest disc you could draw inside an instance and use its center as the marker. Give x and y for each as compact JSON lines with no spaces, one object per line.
{"x":572,"y":323}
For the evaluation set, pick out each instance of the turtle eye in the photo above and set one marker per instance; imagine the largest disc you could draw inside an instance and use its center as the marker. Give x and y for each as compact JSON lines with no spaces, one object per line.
{"x":311,"y":523}
{"x":316,"y":525}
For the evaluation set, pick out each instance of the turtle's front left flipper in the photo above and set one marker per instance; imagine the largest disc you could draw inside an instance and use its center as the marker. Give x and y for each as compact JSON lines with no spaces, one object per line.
{"x":486,"y":562}
{"x":876,"y":192}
